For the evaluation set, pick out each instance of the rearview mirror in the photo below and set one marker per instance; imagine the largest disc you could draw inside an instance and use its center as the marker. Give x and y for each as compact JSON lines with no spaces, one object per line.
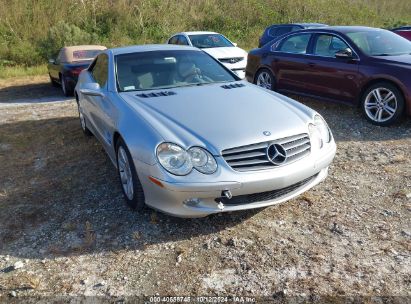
{"x":92,"y":89}
{"x":52,"y":61}
{"x":345,"y":53}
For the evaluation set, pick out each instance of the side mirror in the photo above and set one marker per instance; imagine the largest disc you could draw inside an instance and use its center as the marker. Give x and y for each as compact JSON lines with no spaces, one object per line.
{"x":52,"y":61}
{"x":344,"y":54}
{"x":235,"y":44}
{"x":91,"y":89}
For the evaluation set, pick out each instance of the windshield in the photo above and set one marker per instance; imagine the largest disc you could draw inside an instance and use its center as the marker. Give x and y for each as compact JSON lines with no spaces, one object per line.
{"x":203,"y":41}
{"x":380,"y":43}
{"x":168,"y":69}
{"x":85,"y":54}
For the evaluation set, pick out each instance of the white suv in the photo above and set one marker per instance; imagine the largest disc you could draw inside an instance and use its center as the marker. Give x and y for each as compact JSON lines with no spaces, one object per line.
{"x":217,"y":46}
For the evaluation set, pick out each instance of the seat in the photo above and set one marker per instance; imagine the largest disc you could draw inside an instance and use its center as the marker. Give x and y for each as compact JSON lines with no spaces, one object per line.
{"x":164,"y":74}
{"x":362,"y":43}
{"x":127,"y":79}
{"x":322,"y":47}
{"x":300,"y":47}
{"x":289,"y":46}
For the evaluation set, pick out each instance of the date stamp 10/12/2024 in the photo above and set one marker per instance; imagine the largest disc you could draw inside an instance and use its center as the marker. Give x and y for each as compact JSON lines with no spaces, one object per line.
{"x":200,"y":299}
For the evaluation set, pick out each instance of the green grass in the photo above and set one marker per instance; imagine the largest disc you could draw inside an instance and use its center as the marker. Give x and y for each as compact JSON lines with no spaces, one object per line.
{"x":32,"y":31}
{"x":19,"y":71}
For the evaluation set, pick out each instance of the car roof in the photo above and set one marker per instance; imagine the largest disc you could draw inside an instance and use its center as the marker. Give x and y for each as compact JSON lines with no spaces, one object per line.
{"x":67,"y":52}
{"x":303,"y":24}
{"x":195,"y":33}
{"x":345,"y":29}
{"x":150,"y":48}
{"x":341,"y":29}
{"x":310,"y":24}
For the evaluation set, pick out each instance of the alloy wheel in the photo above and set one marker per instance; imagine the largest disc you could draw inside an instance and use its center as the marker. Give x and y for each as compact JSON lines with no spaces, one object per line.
{"x":125,"y":173}
{"x":380,"y":104}
{"x":264,"y":80}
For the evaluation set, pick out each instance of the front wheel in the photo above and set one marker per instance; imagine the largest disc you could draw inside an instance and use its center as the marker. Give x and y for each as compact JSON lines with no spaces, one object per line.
{"x":130,"y":184}
{"x":83,"y":122}
{"x":265,"y":79}
{"x":382,"y":104}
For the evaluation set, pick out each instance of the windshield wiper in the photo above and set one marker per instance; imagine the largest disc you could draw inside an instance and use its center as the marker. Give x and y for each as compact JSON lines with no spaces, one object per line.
{"x":198,"y":84}
{"x":383,"y":54}
{"x":170,"y":87}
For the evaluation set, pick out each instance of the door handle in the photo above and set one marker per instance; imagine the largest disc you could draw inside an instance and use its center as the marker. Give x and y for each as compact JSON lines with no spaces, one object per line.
{"x":311,"y":64}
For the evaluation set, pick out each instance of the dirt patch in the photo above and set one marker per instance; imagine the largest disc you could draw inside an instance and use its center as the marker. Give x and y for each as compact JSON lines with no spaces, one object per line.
{"x":23,"y":88}
{"x":62,"y":214}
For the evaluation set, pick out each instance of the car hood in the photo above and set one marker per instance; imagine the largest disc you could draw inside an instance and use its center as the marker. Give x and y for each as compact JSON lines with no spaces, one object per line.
{"x":218,"y":118}
{"x":402,"y":60}
{"x":225,"y":52}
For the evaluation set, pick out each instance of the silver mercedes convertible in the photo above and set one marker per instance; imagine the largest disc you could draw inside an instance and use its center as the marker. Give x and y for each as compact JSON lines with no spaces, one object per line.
{"x":189,"y":138}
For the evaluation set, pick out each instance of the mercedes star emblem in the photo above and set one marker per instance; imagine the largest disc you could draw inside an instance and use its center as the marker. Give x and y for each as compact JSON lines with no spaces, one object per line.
{"x":276,"y":154}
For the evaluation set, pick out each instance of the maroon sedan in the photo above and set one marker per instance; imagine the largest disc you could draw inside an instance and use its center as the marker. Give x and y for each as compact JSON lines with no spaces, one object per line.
{"x":404,"y":31}
{"x":358,"y":65}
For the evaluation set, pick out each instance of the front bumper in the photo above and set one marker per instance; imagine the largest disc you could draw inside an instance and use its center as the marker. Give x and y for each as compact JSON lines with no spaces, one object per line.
{"x":190,"y":198}
{"x":238,"y":68}
{"x":240,"y":73}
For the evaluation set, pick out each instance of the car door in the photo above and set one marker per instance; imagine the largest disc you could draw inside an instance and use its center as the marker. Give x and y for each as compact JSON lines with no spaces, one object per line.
{"x":288,"y":61}
{"x":99,"y":108}
{"x":329,"y":76}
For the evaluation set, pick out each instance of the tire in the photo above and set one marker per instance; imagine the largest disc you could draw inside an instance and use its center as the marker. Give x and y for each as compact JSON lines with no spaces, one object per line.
{"x":53,"y":82}
{"x":264,"y":78}
{"x":65,"y":87}
{"x":382,"y":104}
{"x":83,"y":121}
{"x":133,"y":193}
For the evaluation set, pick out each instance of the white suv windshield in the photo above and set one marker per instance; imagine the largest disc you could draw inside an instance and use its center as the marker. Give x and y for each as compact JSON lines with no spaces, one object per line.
{"x":204,"y":41}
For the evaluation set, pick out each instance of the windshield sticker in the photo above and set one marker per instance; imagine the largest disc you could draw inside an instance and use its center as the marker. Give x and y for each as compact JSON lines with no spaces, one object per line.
{"x":128,"y":88}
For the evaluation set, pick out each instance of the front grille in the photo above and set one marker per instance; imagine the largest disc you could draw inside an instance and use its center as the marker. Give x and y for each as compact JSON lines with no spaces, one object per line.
{"x":254,"y":157}
{"x":265,"y":196}
{"x":231,"y":60}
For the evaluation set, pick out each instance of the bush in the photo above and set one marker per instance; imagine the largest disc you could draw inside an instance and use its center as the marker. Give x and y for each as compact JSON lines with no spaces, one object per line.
{"x":64,"y":34}
{"x":20,"y":52}
{"x":33,"y":31}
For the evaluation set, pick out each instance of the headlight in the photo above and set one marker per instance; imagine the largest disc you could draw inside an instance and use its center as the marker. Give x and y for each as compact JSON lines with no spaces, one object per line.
{"x":202,"y":160}
{"x":319,"y":132}
{"x":177,"y":161}
{"x":323,"y":127}
{"x":174,"y":159}
{"x":315,"y":137}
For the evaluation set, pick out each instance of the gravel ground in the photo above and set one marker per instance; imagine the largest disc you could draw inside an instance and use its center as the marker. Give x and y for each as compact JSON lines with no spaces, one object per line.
{"x":66,"y":231}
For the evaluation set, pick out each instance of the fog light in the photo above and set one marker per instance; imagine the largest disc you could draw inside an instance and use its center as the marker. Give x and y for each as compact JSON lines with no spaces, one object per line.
{"x":192,"y":202}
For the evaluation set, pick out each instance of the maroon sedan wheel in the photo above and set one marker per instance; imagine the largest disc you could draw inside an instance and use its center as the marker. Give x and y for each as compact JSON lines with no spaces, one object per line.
{"x":265,"y":79}
{"x":383,"y":104}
